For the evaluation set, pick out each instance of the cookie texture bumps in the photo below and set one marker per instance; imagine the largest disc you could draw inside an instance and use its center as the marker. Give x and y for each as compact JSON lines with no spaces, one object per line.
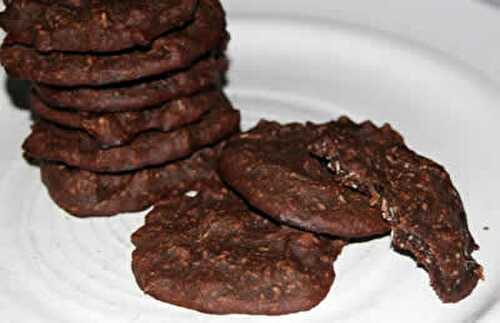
{"x":169,"y":52}
{"x":271,"y":167}
{"x":131,"y":113}
{"x":120,"y":128}
{"x":125,"y":92}
{"x":78,"y":149}
{"x":86,"y":194}
{"x":92,"y":25}
{"x":415,"y":196}
{"x":207,"y":251}
{"x":138,"y":95}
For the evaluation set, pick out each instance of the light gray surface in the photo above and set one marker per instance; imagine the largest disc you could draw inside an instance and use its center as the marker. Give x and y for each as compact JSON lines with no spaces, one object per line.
{"x":465,"y":29}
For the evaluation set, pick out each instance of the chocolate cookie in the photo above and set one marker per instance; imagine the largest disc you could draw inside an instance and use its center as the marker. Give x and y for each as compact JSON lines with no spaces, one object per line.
{"x":86,"y":194}
{"x":173,"y":51}
{"x":271,"y":168}
{"x":415,"y":196}
{"x":133,"y":96}
{"x":212,"y":254}
{"x":119,"y":128}
{"x":77,"y":148}
{"x":92,"y":25}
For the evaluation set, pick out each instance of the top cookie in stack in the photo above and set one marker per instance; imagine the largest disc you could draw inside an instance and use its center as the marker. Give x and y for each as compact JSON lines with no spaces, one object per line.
{"x":80,"y":43}
{"x":118,"y":86}
{"x":92,"y":25}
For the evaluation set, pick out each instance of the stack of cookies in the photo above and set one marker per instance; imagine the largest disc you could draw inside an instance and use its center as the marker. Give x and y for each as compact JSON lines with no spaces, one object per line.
{"x":125,"y":93}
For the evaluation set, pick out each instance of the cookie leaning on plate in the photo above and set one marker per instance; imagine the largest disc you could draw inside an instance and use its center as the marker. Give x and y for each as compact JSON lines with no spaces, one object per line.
{"x":207,"y":251}
{"x":415,"y":196}
{"x":272,"y":169}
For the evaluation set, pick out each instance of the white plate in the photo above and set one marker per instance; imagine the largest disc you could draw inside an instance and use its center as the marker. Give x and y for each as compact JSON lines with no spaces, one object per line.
{"x":56,"y":268}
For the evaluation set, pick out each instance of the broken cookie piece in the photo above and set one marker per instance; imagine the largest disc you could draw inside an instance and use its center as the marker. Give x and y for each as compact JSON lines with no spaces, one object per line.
{"x":415,"y":196}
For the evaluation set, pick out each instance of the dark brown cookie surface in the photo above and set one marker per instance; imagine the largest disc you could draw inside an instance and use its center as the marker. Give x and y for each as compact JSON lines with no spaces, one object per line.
{"x":212,"y":254}
{"x":173,"y":51}
{"x":139,"y":95}
{"x":119,"y":128}
{"x":78,"y":149}
{"x":92,"y":25}
{"x":271,"y":168}
{"x":87,"y":194}
{"x":415,"y":196}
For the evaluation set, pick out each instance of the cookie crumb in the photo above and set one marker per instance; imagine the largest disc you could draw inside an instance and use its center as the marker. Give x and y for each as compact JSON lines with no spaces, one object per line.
{"x":191,"y":194}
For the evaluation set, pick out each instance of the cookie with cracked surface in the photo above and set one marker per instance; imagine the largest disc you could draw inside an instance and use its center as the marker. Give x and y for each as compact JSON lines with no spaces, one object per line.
{"x":212,"y":254}
{"x":272,"y":169}
{"x":414,"y":194}
{"x":120,"y":128}
{"x":137,"y":95}
{"x":169,"y":52}
{"x":86,"y":194}
{"x":78,"y":149}
{"x":92,"y":25}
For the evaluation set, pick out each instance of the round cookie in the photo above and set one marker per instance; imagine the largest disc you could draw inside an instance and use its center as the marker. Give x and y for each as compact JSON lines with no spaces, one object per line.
{"x":78,"y":149}
{"x":414,"y":194}
{"x":272,"y":169}
{"x":92,"y":25}
{"x":212,"y":254}
{"x":119,"y":128}
{"x":137,"y":95}
{"x":173,"y":51}
{"x":86,"y":194}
